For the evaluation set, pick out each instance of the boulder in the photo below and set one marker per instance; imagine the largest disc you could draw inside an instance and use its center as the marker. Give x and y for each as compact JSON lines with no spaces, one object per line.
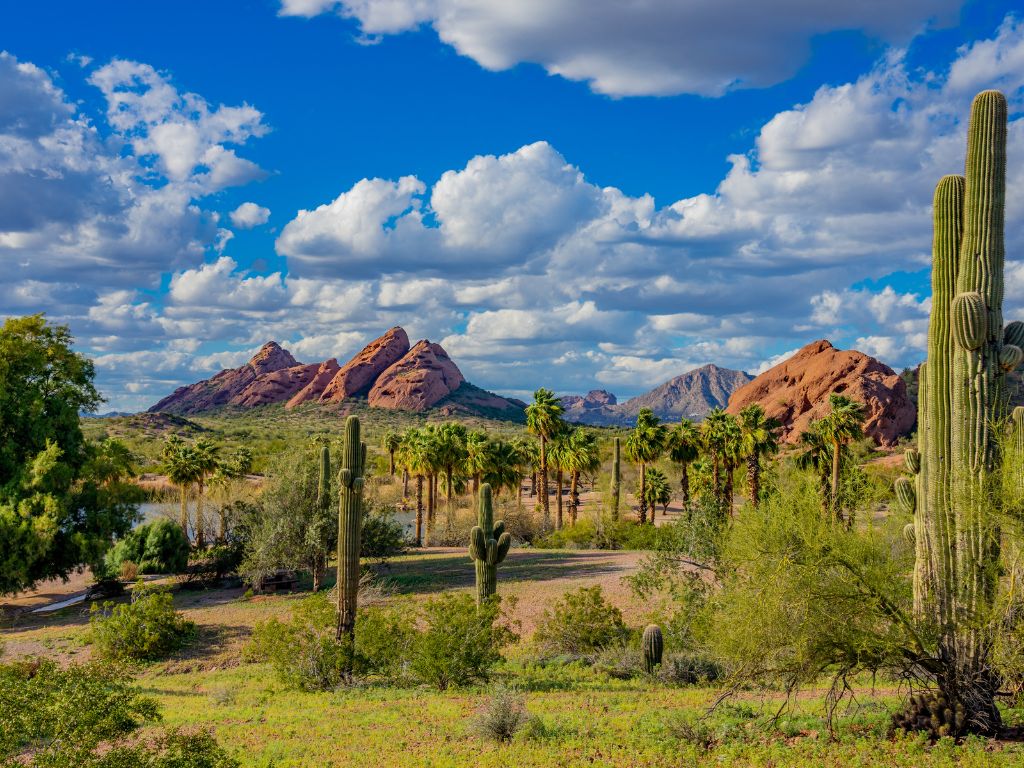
{"x":357,"y":377}
{"x":420,"y":379}
{"x":796,"y":391}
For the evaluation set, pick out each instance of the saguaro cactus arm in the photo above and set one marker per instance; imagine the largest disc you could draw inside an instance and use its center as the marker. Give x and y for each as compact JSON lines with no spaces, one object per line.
{"x":488,"y":546}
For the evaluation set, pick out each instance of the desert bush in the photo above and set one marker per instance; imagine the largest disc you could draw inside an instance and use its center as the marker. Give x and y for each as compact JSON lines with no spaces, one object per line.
{"x":304,"y":651}
{"x":502,"y":716}
{"x":620,"y":660}
{"x":382,"y":537}
{"x":213,"y":564}
{"x":156,"y":547}
{"x":384,"y":638}
{"x":580,"y":622}
{"x":683,"y":669}
{"x":174,"y":748}
{"x":129,"y":571}
{"x":459,"y":643}
{"x":146,"y":629}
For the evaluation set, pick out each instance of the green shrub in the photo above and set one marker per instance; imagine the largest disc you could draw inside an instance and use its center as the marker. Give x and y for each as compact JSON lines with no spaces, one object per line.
{"x":460,"y":643}
{"x":173,"y":749}
{"x":146,"y":629}
{"x":384,"y":639}
{"x":157,"y":547}
{"x":581,"y":622}
{"x":381,"y":536}
{"x":41,"y":702}
{"x":304,"y":652}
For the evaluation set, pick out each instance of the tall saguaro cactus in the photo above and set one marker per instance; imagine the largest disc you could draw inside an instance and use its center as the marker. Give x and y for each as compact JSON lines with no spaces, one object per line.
{"x":961,"y":402}
{"x":488,"y":545}
{"x":350,"y":521}
{"x":616,"y":455}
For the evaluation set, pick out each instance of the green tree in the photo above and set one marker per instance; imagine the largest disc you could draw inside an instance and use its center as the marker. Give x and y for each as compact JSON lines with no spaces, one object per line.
{"x":477,"y":456}
{"x":55,"y":515}
{"x":204,"y":453}
{"x":582,"y":456}
{"x":182,"y":470}
{"x":656,"y":490}
{"x":758,"y":438}
{"x":558,"y":460}
{"x":643,"y":446}
{"x":413,"y":456}
{"x":502,"y":467}
{"x":544,"y":419}
{"x":843,"y":424}
{"x":683,"y":449}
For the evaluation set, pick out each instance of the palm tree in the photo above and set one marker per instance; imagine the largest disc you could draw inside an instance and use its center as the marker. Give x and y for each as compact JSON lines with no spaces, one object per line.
{"x":205,"y":452}
{"x":655,"y":489}
{"x":232,"y":468}
{"x":544,"y":419}
{"x":583,"y":456}
{"x":558,"y":459}
{"x":477,"y":447}
{"x":413,"y":456}
{"x":450,"y":453}
{"x":842,"y":425}
{"x":502,"y":467}
{"x":759,"y":437}
{"x":528,"y":457}
{"x":392,"y":442}
{"x":182,"y":470}
{"x":643,"y":446}
{"x":428,"y":437}
{"x":714,"y":434}
{"x":683,"y":449}
{"x":816,"y":455}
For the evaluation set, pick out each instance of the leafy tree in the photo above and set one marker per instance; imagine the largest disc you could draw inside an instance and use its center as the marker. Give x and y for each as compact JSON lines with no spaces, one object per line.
{"x":544,"y":419}
{"x":55,"y":513}
{"x":156,"y":547}
{"x":758,"y":438}
{"x":643,"y":446}
{"x":683,"y":449}
{"x":656,"y":490}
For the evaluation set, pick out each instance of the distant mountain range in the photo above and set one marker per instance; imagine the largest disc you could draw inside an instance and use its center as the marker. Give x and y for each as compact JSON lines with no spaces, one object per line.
{"x":692,"y":394}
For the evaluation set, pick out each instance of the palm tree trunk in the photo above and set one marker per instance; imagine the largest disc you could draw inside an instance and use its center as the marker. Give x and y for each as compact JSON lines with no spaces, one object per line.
{"x":835,"y":480}
{"x":392,"y":455}
{"x":184,"y":509}
{"x":476,"y":484}
{"x":315,"y":568}
{"x":574,"y":496}
{"x":533,"y":484}
{"x":200,"y":532}
{"x":419,"y":510}
{"x":222,"y":533}
{"x":643,"y":493}
{"x":430,"y":505}
{"x":405,"y":483}
{"x":558,"y":501}
{"x":450,"y":510}
{"x":519,"y":492}
{"x":545,"y":502}
{"x":729,"y":472}
{"x":716,"y":479}
{"x":685,"y":483}
{"x":754,"y":479}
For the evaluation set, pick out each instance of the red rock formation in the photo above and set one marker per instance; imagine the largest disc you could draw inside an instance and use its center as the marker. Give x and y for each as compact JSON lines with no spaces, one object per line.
{"x":275,"y":386}
{"x":226,"y":385}
{"x":419,"y":380}
{"x":796,"y":391}
{"x":356,"y":378}
{"x":316,"y":386}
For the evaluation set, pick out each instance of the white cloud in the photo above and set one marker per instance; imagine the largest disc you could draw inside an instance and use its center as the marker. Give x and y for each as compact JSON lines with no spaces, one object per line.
{"x":249,"y":215}
{"x":655,"y":47}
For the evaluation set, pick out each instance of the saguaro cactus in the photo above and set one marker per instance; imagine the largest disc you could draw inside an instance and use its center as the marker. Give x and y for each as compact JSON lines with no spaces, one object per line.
{"x":488,"y":545}
{"x":616,"y":455}
{"x":652,"y":644}
{"x":961,"y":401}
{"x":350,"y":521}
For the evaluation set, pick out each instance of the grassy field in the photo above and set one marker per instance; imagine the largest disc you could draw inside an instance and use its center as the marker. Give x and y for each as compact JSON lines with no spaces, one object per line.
{"x":581,"y":717}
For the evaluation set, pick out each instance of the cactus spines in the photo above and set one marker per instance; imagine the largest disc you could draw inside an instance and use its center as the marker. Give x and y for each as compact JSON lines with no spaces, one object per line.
{"x":488,"y":545}
{"x":652,"y":644}
{"x":960,"y":403}
{"x":906,"y":497}
{"x":350,"y":523}
{"x":909,"y":533}
{"x":616,"y":454}
{"x":1013,"y":334}
{"x":912,"y":458}
{"x":970,"y":320}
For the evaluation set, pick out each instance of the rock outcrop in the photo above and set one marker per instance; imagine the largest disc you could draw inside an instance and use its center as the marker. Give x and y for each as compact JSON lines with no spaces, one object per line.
{"x":315,"y":388}
{"x":691,"y":395}
{"x":796,"y":391}
{"x":357,"y":377}
{"x":275,"y":386}
{"x":227,"y":385}
{"x":423,"y":377}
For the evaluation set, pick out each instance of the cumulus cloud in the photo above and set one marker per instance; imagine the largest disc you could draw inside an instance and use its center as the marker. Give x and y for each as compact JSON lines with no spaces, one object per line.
{"x":625,"y":49}
{"x":249,"y":215}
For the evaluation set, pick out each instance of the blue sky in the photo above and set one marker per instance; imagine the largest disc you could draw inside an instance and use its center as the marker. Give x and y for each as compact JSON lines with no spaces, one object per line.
{"x":562,"y":193}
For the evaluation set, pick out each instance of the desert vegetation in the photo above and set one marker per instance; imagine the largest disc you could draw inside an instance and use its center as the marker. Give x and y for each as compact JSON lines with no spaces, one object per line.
{"x":363,"y":587}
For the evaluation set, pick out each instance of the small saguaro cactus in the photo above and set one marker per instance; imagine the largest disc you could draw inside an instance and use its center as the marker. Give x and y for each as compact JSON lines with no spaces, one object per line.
{"x":652,"y":645}
{"x":615,"y":478}
{"x":488,"y":545}
{"x":350,"y":521}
